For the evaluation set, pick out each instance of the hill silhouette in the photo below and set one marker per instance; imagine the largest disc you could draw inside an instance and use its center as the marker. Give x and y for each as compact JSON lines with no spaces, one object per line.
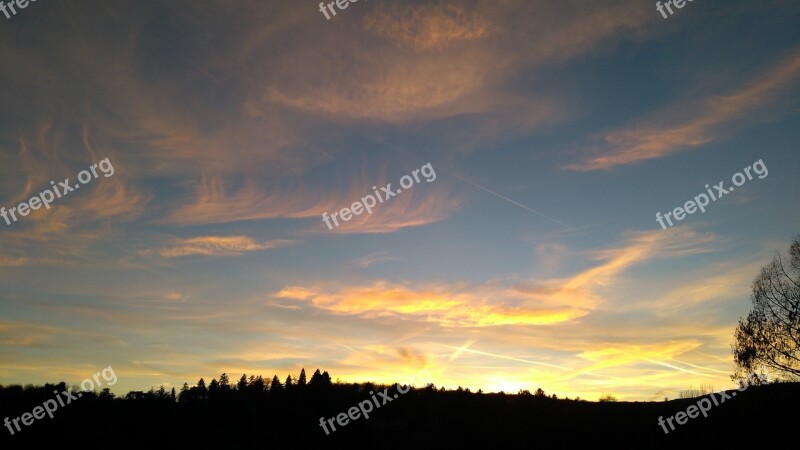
{"x":255,"y":414}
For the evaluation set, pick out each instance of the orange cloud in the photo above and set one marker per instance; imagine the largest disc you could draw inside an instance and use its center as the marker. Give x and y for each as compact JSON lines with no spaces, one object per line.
{"x":372,"y":258}
{"x":415,"y":207}
{"x":220,"y":246}
{"x":536,"y":302}
{"x":449,"y":309}
{"x":214,"y":203}
{"x":690,"y":124}
{"x":444,"y":60}
{"x":10,"y":261}
{"x":423,"y":27}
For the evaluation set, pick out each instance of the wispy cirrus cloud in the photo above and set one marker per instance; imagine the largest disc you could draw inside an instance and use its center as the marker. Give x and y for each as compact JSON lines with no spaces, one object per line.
{"x":675,"y":130}
{"x":220,"y":246}
{"x":447,"y":59}
{"x":214,"y":202}
{"x":10,"y":261}
{"x":424,"y":27}
{"x":372,"y":258}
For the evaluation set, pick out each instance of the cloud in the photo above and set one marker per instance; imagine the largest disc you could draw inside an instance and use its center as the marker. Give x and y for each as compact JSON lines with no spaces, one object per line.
{"x":412,"y":357}
{"x":610,"y":355}
{"x":283,"y":306}
{"x":215,"y":203}
{"x":295,"y":292}
{"x":10,"y":261}
{"x":220,"y":246}
{"x":175,"y":296}
{"x":412,"y":208}
{"x":424,"y":27}
{"x":691,"y":124}
{"x":444,"y":60}
{"x":449,"y":309}
{"x":44,"y":336}
{"x":718,"y":286}
{"x":372,"y":258}
{"x":581,"y":290}
{"x":533,"y":302}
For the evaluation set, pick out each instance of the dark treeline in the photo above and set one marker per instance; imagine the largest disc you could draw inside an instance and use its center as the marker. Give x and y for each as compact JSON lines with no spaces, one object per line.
{"x":266,"y":413}
{"x":254,"y":387}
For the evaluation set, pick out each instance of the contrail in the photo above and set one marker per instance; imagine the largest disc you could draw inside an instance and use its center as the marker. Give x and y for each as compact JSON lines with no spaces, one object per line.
{"x":678,"y":368}
{"x":575,"y":372}
{"x":514,"y":202}
{"x":701,"y":367}
{"x":505,"y":357}
{"x":203,"y":71}
{"x":527,"y":208}
{"x":726,"y":361}
{"x":461,"y":350}
{"x":348,"y":348}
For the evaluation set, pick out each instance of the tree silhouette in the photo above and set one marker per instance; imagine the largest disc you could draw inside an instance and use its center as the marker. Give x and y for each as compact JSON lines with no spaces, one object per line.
{"x":316,"y":379}
{"x":301,"y":381}
{"x":224,"y":383}
{"x":320,"y":381}
{"x":213,"y":388}
{"x":292,"y":414}
{"x":202,"y":391}
{"x":606,"y":398}
{"x":276,"y":385}
{"x":242,"y":384}
{"x":106,"y":394}
{"x":259,"y":385}
{"x":288,"y":383}
{"x":768,"y":340}
{"x":198,"y":392}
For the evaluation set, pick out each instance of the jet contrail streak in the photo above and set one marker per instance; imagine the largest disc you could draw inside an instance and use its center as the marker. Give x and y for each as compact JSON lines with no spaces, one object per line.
{"x":461,"y":350}
{"x":527,"y":208}
{"x":348,"y":348}
{"x":503,"y":197}
{"x":507,"y":357}
{"x":701,"y":367}
{"x":678,"y":368}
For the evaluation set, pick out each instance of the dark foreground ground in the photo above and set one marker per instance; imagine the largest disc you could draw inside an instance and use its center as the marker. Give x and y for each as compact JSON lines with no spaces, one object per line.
{"x":761,"y":415}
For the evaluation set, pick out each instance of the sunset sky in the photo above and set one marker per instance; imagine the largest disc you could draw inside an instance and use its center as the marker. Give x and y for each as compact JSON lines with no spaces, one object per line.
{"x":556,"y":130}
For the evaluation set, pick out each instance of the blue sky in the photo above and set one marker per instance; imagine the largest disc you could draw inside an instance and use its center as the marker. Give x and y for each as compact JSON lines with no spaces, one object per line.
{"x":557,"y":131}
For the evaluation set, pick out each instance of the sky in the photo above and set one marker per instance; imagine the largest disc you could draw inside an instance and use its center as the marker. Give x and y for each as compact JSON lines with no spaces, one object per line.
{"x":546,"y":137}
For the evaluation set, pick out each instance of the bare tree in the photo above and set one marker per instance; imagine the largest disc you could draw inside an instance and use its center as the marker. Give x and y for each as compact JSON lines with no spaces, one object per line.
{"x":607,"y":398}
{"x":705,"y":389}
{"x":768,"y":340}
